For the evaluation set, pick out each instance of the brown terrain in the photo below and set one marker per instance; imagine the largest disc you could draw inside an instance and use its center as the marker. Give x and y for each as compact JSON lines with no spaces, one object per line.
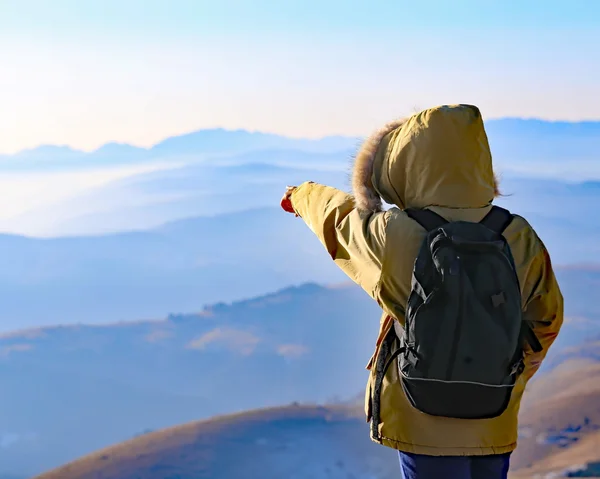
{"x":560,"y":421}
{"x":291,"y":442}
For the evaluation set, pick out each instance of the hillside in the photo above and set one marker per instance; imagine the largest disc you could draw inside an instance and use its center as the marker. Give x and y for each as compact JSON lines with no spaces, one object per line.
{"x":560,"y":430}
{"x":293,"y":442}
{"x":63,"y":386}
{"x":560,"y":417}
{"x":183,"y":265}
{"x":581,"y":459}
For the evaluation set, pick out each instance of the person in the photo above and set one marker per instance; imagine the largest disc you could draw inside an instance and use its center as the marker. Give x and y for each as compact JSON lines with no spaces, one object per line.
{"x":437,"y":160}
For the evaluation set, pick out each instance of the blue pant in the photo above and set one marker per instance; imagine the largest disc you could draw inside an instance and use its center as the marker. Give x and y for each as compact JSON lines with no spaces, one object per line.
{"x":416,"y":466}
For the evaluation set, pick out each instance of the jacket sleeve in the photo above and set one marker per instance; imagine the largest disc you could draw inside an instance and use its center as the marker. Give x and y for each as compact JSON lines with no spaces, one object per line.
{"x":355,"y":240}
{"x":543,"y":308}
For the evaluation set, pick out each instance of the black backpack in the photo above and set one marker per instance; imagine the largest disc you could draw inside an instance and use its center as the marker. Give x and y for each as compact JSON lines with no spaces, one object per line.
{"x":461,"y":350}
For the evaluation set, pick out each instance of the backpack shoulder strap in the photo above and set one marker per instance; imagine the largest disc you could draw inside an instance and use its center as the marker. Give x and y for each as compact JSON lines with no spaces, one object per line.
{"x":497,"y":219}
{"x":426,"y":218}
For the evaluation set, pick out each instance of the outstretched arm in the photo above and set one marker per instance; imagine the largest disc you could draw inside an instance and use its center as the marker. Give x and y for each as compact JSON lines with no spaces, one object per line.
{"x":355,"y":240}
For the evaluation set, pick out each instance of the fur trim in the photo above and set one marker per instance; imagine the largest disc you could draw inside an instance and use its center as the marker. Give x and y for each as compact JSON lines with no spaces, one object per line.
{"x":497,"y":191}
{"x":365,"y":196}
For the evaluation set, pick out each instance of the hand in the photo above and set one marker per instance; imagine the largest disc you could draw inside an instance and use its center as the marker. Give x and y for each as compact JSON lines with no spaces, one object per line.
{"x":286,"y":202}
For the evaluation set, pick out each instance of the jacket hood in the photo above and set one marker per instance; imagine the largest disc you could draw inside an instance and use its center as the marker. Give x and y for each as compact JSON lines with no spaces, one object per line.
{"x":438,"y":157}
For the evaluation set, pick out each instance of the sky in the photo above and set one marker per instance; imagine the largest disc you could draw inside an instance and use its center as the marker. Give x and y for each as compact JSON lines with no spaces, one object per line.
{"x":86,"y":72}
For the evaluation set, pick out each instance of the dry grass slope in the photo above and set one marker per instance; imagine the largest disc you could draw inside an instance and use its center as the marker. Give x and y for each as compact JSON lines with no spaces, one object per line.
{"x":585,"y":451}
{"x":291,"y":442}
{"x":560,"y":428}
{"x":560,"y":420}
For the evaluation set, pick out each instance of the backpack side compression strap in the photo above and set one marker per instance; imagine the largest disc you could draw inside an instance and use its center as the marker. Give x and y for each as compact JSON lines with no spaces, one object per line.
{"x":531,"y":338}
{"x":426,"y":218}
{"x":497,"y":219}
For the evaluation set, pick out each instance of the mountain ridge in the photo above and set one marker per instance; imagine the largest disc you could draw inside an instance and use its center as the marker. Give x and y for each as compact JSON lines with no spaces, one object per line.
{"x":206,"y":310}
{"x":533,"y":124}
{"x":198,"y":139}
{"x":554,"y":437}
{"x":200,"y":450}
{"x":281,"y":347}
{"x":188,"y":263}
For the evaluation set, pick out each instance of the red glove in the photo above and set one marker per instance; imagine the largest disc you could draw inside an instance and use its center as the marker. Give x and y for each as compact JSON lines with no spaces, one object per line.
{"x":286,"y":202}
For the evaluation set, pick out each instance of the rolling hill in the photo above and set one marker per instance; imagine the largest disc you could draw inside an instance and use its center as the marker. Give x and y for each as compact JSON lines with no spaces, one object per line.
{"x":560,"y":419}
{"x":294,"y":442}
{"x":63,"y":384}
{"x":183,"y":265}
{"x":560,"y":430}
{"x":63,"y":387}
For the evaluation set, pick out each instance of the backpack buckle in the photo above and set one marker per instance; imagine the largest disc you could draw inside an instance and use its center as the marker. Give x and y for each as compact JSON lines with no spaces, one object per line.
{"x":517,"y":368}
{"x":410,"y":355}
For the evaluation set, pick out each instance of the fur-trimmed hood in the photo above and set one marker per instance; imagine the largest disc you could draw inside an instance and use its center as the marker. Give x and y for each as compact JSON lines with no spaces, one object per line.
{"x":438,"y":157}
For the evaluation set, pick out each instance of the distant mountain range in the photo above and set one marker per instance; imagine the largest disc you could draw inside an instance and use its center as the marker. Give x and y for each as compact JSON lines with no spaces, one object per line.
{"x":512,"y":140}
{"x":256,"y":180}
{"x":207,"y":172}
{"x":148,"y":200}
{"x":181,"y":266}
{"x":187,"y":264}
{"x":193,"y":146}
{"x":218,"y":171}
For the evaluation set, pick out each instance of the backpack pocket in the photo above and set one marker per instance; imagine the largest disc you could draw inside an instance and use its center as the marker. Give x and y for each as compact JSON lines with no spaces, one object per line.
{"x":455,"y":399}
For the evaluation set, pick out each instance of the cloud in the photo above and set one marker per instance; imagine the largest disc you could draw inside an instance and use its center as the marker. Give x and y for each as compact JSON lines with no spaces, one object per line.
{"x":292,"y":350}
{"x":242,"y":342}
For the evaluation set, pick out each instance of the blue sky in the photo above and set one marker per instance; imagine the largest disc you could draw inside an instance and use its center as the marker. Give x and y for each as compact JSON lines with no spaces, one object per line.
{"x":83,"y":72}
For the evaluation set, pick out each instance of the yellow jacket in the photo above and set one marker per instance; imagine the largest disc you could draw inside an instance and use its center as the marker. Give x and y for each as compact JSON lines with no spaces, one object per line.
{"x":438,"y":159}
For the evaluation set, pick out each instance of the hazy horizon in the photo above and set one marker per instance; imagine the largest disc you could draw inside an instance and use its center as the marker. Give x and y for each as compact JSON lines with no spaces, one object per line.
{"x":265,"y":132}
{"x":85,"y":73}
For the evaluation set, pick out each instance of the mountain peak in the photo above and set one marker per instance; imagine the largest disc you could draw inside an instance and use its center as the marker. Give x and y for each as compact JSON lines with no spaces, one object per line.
{"x":115,"y":148}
